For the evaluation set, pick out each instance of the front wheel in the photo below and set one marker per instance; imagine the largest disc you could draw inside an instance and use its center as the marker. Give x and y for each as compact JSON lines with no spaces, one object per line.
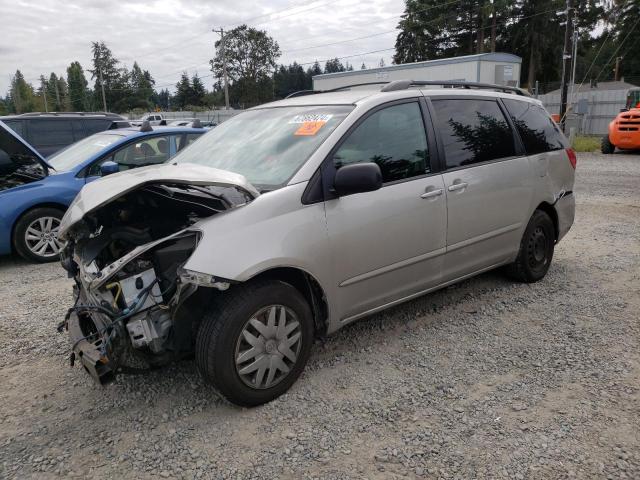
{"x":255,"y":342}
{"x":606,"y":146}
{"x":35,"y":236}
{"x":536,"y":249}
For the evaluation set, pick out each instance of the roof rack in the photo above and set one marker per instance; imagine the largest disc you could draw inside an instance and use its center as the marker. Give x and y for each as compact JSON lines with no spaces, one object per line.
{"x":146,"y":126}
{"x":300,"y":93}
{"x":406,"y":84}
{"x":79,"y":114}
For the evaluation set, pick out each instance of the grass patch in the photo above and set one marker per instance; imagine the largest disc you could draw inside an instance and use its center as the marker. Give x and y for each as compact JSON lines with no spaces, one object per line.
{"x":586,"y":144}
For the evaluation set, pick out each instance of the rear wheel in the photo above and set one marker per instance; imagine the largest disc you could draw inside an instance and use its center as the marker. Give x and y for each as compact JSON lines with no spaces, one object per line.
{"x":35,"y":236}
{"x":536,"y":249}
{"x":606,"y":146}
{"x":253,"y":345}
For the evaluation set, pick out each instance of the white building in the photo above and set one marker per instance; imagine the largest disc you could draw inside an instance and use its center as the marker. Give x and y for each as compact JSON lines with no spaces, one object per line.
{"x":496,"y":68}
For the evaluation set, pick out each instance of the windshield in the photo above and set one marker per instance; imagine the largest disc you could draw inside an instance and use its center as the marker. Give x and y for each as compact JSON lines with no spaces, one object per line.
{"x":78,"y":152}
{"x":267,"y":145}
{"x":633,"y":99}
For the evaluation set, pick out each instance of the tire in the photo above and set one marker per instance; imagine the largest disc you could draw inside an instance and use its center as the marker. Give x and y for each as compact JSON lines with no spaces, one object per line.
{"x":536,"y":249}
{"x":227,"y":360}
{"x":606,"y":146}
{"x":39,"y":222}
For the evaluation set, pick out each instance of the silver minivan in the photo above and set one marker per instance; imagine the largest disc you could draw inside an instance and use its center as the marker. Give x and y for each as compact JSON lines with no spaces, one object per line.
{"x":295,"y":218}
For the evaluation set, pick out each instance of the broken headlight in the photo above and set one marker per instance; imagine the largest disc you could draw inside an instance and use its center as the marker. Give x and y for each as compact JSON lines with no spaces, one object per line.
{"x":202,"y":279}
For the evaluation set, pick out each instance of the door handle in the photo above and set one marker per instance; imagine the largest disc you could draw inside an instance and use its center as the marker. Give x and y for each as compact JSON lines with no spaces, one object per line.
{"x":432,"y":193}
{"x":458,"y":186}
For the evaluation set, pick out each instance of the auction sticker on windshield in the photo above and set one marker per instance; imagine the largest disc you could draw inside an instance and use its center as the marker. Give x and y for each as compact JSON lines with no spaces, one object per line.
{"x":311,"y":117}
{"x":309,"y":128}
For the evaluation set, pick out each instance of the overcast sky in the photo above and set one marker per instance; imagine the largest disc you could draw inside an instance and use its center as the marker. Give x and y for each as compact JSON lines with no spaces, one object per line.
{"x":167,"y":37}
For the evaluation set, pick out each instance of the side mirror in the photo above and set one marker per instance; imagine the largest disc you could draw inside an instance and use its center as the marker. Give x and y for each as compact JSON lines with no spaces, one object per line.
{"x":109,"y":167}
{"x":357,"y":178}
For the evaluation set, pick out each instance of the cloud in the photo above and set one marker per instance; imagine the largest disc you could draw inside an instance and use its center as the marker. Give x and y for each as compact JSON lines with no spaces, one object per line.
{"x":169,"y":36}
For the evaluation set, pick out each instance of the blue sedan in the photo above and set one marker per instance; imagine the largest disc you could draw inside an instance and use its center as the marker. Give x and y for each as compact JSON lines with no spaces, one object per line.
{"x":34,"y":192}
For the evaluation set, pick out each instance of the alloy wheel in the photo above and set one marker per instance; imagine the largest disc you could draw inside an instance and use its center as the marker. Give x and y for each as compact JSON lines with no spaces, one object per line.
{"x":41,"y":237}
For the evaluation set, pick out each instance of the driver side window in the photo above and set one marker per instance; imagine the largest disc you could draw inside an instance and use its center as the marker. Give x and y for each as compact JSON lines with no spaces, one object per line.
{"x":148,"y":151}
{"x":394,"y":138}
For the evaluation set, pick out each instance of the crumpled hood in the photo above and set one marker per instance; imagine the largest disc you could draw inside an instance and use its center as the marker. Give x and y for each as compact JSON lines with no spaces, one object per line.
{"x":100,"y":192}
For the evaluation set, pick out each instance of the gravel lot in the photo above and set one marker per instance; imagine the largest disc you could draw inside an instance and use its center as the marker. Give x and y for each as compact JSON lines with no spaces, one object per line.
{"x":484,"y":379}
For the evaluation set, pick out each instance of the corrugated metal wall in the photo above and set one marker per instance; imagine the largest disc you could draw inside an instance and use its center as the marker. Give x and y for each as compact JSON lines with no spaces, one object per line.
{"x":604,"y":105}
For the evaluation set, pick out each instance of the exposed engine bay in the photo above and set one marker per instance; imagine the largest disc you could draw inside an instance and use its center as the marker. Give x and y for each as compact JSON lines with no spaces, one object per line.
{"x":132,"y":294}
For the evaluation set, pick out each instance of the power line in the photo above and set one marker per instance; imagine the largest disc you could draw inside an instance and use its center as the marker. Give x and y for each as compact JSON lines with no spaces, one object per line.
{"x":344,"y":41}
{"x":249,"y":20}
{"x":348,"y":56}
{"x":294,"y":13}
{"x":618,"y":48}
{"x":426,"y":23}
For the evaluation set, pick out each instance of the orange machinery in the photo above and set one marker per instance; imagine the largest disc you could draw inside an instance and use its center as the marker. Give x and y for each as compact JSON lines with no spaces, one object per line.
{"x":624,"y":130}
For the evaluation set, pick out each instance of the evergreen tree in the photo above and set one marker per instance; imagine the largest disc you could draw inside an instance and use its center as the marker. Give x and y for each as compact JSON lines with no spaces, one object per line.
{"x":115,"y":81}
{"x":183,"y":91}
{"x":164,"y":99}
{"x":53,"y":94}
{"x":315,"y":69}
{"x":424,"y":31}
{"x":42,"y":93}
{"x":333,"y":65}
{"x":141,"y":84}
{"x":78,"y":93}
{"x":198,"y":91}
{"x":22,"y":96}
{"x":625,"y":28}
{"x":291,"y":79}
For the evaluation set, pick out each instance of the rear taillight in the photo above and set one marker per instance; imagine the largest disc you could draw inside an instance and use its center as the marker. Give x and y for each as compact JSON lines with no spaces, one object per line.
{"x":573,"y":159}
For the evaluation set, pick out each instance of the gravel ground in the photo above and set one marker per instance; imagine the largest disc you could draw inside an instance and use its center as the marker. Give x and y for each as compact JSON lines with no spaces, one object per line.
{"x":484,"y":379}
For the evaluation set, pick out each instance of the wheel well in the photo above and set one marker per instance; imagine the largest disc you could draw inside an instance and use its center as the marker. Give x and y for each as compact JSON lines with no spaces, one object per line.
{"x":57,"y":206}
{"x":308,"y":287}
{"x":551,"y":211}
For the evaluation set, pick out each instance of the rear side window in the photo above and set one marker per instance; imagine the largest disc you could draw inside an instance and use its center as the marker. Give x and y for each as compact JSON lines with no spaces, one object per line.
{"x":78,"y":130}
{"x":16,"y":125}
{"x":394,"y":138}
{"x":185,"y":140}
{"x":539,"y":133}
{"x":50,"y":132}
{"x":147,"y":151}
{"x":473,"y":131}
{"x":95,"y":126}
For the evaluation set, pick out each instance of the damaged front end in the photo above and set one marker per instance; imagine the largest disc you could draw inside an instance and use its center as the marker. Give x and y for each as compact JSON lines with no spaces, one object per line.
{"x":136,"y":307}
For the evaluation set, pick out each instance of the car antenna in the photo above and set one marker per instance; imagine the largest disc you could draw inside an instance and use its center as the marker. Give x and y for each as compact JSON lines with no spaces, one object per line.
{"x":146,"y":127}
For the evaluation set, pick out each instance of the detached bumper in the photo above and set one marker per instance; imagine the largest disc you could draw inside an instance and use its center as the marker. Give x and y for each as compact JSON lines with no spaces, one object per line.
{"x":89,"y":351}
{"x":566,"y":210}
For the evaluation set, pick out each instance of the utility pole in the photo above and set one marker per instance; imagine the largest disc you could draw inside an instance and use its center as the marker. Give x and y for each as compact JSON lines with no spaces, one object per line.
{"x":574,"y":61}
{"x":224,"y":66}
{"x":566,"y":63}
{"x":104,"y":98}
{"x":616,"y":75}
